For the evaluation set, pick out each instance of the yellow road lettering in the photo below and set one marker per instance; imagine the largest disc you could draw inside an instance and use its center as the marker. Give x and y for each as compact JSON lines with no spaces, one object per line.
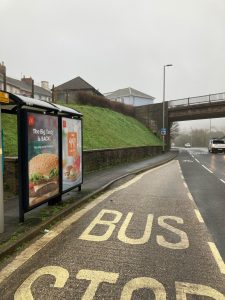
{"x":183,"y":289}
{"x":86,"y":235}
{"x":147,"y":232}
{"x":24,"y":291}
{"x":184,"y":242}
{"x":143,"y":283}
{"x":96,"y":278}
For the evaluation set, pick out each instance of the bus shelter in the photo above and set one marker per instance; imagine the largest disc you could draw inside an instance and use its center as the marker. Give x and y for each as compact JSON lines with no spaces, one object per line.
{"x":50,"y":148}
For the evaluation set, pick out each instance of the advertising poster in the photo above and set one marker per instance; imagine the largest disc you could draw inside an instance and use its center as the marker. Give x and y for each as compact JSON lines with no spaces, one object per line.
{"x":71,"y":145}
{"x":43,"y":160}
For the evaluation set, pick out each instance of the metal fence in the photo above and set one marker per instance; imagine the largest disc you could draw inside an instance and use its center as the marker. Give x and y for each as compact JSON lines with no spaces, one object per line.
{"x":197,"y":100}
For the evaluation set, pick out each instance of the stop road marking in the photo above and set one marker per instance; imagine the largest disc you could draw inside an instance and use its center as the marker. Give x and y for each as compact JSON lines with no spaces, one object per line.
{"x":96,"y":278}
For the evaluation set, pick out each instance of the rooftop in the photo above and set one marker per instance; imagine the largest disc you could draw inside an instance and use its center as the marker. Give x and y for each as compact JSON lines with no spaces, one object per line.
{"x":77,"y":83}
{"x":128,"y":92}
{"x":26,"y":87}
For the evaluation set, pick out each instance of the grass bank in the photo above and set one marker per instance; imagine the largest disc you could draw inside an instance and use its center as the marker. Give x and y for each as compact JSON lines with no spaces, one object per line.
{"x":103,"y":128}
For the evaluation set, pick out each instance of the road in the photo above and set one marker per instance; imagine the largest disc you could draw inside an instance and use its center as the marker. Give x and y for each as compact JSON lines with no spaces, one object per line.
{"x":144,"y":239}
{"x":205,"y":175}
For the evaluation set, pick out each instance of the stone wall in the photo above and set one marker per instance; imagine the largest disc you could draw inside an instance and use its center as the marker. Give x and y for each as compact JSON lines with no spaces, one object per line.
{"x":10,"y":177}
{"x":93,"y":160}
{"x":152,"y":117}
{"x":100,"y":159}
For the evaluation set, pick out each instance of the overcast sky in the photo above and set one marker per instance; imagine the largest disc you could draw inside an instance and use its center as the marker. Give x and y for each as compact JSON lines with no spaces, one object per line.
{"x":114,"y":44}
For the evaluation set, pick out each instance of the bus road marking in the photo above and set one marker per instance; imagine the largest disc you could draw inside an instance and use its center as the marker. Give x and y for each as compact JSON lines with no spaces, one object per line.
{"x":110,"y":226}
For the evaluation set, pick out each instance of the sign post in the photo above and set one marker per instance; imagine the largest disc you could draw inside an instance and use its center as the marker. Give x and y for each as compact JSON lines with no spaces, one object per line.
{"x":163,"y":134}
{"x":1,"y":183}
{"x":4,"y":98}
{"x":163,"y":131}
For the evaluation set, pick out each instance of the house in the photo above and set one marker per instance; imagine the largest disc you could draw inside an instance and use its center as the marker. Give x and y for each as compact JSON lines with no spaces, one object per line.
{"x":69,"y":90}
{"x":130,"y":96}
{"x":24,"y":86}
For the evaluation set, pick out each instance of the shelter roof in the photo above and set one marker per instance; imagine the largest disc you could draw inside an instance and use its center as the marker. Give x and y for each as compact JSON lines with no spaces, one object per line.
{"x":62,"y":108}
{"x":22,"y":101}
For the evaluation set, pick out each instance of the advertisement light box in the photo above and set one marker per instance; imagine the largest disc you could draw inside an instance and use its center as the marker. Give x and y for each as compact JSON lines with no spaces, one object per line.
{"x":43,"y":157}
{"x":71,"y":153}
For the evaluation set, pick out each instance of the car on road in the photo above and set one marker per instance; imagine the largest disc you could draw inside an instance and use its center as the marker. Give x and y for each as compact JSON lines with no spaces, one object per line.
{"x":216,"y":145}
{"x":187,"y":145}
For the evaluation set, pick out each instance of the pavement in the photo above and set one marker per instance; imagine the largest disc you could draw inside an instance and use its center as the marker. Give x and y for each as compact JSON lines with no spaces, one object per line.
{"x":41,"y":218}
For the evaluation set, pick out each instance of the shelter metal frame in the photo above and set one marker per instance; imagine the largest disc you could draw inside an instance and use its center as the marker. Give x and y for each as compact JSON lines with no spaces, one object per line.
{"x":20,"y":106}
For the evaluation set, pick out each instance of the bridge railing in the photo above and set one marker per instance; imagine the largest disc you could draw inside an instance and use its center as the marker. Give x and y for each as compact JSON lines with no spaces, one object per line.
{"x":197,"y":100}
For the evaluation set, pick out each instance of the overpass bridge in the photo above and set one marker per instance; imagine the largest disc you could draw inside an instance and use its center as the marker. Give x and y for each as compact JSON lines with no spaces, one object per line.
{"x":194,"y":108}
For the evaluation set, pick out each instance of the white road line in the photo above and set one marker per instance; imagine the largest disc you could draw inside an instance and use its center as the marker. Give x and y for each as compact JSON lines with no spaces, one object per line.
{"x":197,"y":160}
{"x":185,"y":185}
{"x":190,"y":197}
{"x":207,"y":169}
{"x":31,"y":250}
{"x":217,"y":257}
{"x":212,"y":246}
{"x":198,"y":215}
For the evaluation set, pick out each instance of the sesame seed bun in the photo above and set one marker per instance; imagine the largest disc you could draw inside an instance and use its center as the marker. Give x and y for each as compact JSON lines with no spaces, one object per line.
{"x":43,"y":164}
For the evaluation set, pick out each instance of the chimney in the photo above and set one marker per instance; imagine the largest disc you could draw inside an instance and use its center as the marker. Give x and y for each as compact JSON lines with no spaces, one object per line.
{"x":32,"y":89}
{"x":3,"y":72}
{"x":27,"y":80}
{"x":2,"y":68}
{"x":53,"y":93}
{"x":45,"y":85}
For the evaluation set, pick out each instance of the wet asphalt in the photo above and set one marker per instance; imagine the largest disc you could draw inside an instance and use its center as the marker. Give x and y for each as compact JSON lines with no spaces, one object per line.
{"x":143,"y":240}
{"x":208,"y":188}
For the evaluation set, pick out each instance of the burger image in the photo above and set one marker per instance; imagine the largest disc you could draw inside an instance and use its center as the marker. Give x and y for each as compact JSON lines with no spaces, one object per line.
{"x":70,"y":173}
{"x":43,"y":177}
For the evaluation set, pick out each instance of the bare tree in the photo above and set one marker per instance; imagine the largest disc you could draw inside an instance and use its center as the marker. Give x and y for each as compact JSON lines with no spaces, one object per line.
{"x":197,"y":137}
{"x":174,"y":130}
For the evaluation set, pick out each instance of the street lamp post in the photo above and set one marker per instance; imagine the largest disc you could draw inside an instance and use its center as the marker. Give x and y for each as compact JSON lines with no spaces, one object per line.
{"x":164,"y":84}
